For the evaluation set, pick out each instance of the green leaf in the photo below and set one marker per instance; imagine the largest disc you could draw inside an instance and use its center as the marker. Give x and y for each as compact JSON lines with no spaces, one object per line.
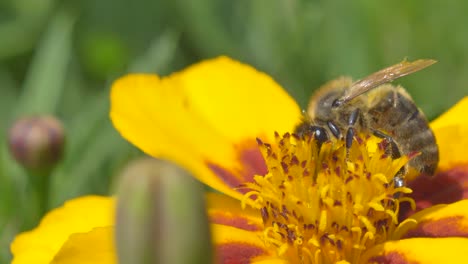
{"x":48,"y":71}
{"x":159,"y":55}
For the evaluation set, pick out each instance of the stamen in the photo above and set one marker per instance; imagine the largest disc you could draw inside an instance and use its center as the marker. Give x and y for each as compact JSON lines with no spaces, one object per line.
{"x":324,"y":203}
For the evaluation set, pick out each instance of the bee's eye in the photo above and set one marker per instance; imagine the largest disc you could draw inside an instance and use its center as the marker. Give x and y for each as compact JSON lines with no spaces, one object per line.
{"x":336,"y":103}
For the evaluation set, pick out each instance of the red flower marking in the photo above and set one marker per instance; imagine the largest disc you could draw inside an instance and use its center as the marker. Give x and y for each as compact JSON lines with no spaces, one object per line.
{"x":389,"y":258}
{"x":234,"y":221}
{"x":227,"y":176}
{"x":237,"y":253}
{"x":251,"y":163}
{"x":445,"y":187}
{"x":445,"y":227}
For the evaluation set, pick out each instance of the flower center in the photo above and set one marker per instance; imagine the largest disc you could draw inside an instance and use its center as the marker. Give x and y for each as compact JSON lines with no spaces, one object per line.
{"x":324,"y":204}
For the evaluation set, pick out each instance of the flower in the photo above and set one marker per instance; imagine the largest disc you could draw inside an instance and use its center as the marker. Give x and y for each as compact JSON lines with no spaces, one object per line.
{"x":62,"y":232}
{"x":284,"y":199}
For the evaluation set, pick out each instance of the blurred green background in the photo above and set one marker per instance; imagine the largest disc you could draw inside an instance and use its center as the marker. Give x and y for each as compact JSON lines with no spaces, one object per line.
{"x":60,"y":57}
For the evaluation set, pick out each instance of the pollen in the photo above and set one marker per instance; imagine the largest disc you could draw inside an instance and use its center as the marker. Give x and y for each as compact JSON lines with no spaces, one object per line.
{"x":327,"y":203}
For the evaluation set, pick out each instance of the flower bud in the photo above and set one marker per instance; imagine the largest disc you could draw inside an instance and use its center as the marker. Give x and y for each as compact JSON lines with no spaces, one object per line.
{"x":161,"y":215}
{"x":37,"y":142}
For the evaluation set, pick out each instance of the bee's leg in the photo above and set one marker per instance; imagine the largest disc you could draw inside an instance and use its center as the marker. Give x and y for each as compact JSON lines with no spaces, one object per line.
{"x":334,"y":129}
{"x":399,"y":181}
{"x":353,"y":117}
{"x":393,"y":149}
{"x":399,"y":178}
{"x":349,"y":138}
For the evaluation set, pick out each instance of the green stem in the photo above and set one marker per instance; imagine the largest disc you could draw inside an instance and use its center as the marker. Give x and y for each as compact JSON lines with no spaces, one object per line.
{"x":40,"y":182}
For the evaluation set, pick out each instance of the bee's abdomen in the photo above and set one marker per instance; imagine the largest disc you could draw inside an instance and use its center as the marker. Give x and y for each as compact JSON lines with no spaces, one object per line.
{"x":395,"y":113}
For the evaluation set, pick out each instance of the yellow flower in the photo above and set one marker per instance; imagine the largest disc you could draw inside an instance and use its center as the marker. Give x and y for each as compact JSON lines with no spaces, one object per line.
{"x":60,"y":235}
{"x":284,"y":199}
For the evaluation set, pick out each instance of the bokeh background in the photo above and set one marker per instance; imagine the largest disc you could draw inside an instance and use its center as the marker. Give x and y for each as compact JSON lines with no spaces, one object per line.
{"x":60,"y":57}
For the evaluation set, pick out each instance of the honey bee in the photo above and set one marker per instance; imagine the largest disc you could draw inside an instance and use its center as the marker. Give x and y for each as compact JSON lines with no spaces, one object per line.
{"x":341,"y":108}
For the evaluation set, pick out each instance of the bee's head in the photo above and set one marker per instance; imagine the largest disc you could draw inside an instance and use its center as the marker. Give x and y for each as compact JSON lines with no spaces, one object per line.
{"x":324,"y":104}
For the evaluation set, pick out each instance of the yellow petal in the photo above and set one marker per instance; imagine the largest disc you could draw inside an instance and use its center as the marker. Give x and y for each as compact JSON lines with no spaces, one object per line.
{"x":79,"y":215}
{"x":419,"y":250}
{"x":225,"y":210}
{"x":236,"y":99}
{"x":205,"y":118}
{"x":438,"y":221}
{"x":451,"y":132}
{"x":96,"y":246}
{"x":235,"y":245}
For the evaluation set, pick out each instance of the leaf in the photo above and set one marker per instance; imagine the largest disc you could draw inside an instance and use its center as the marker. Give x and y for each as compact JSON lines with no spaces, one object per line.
{"x":48,"y":71}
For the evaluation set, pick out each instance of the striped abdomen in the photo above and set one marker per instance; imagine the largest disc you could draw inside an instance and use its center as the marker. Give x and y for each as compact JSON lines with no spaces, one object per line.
{"x":392,"y":111}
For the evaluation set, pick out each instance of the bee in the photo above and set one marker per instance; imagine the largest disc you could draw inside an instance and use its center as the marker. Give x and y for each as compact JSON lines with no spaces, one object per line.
{"x":341,"y":108}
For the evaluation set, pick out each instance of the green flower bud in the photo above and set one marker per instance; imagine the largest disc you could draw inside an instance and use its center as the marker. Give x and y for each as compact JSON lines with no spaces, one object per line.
{"x":161,"y":216}
{"x":37,"y":143}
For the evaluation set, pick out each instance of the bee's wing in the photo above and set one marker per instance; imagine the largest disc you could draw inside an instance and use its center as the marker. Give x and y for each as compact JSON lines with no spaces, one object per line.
{"x":383,"y":76}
